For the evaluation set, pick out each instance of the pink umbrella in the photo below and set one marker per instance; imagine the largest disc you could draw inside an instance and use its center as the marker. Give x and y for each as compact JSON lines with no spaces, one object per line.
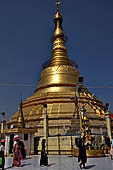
{"x":17,"y":138}
{"x":3,"y":140}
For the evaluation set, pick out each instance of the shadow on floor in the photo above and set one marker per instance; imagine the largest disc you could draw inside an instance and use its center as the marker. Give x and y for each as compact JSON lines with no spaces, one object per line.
{"x":26,"y":164}
{"x":90,"y":166}
{"x":51,"y":164}
{"x":70,"y":156}
{"x":9,"y":167}
{"x":18,"y":167}
{"x":47,"y":165}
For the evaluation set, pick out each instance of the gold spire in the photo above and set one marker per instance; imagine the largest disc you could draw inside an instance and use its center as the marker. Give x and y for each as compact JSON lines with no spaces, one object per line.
{"x":59,"y":51}
{"x":20,"y":118}
{"x":57,"y":4}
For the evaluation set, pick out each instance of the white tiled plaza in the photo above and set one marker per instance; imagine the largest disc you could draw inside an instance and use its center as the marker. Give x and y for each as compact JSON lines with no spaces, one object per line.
{"x":61,"y":163}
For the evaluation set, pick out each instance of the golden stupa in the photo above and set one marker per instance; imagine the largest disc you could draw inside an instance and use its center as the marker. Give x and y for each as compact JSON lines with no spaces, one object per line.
{"x":57,"y":87}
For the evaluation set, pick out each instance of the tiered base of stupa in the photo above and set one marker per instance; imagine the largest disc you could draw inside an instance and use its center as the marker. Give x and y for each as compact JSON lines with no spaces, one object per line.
{"x":63,"y":116}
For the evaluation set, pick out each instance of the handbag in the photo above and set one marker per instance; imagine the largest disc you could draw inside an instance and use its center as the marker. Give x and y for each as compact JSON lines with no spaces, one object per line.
{"x":0,"y":160}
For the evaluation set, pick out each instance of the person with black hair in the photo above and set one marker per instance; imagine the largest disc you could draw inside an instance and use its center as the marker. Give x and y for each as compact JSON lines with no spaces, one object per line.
{"x":44,"y":157}
{"x":82,"y":158}
{"x":17,"y":155}
{"x":23,"y":151}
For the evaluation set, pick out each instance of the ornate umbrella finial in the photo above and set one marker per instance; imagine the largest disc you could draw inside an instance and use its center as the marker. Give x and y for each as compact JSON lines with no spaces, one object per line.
{"x":57,"y":4}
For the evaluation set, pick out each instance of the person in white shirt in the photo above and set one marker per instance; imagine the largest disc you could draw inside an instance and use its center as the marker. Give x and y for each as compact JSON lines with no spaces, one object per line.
{"x":1,"y":147}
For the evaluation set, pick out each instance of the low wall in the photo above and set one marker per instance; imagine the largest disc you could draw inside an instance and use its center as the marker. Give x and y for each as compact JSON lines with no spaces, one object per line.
{"x":90,"y":152}
{"x":59,"y":145}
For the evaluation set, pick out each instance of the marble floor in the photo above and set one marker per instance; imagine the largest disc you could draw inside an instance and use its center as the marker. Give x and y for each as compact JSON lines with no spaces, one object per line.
{"x":61,"y":163}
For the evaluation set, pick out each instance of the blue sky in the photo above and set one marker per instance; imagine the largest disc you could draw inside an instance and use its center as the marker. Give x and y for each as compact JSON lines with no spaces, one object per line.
{"x":26,"y":27}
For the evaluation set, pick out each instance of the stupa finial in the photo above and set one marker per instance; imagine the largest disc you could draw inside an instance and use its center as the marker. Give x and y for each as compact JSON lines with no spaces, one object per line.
{"x":57,"y":4}
{"x":59,"y":51}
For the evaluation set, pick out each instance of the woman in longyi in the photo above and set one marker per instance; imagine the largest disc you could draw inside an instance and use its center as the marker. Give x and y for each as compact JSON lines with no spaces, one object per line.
{"x":17,"y":156}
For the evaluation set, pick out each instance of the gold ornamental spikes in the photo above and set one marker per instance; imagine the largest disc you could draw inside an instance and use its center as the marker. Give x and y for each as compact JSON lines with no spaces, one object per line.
{"x":59,"y":51}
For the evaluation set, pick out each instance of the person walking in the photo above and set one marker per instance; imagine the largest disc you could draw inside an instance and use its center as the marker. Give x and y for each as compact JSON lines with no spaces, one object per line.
{"x":44,"y":157}
{"x":17,"y":155}
{"x":23,"y":151}
{"x":1,"y":146}
{"x":111,"y":151}
{"x":2,"y":158}
{"x":82,"y":158}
